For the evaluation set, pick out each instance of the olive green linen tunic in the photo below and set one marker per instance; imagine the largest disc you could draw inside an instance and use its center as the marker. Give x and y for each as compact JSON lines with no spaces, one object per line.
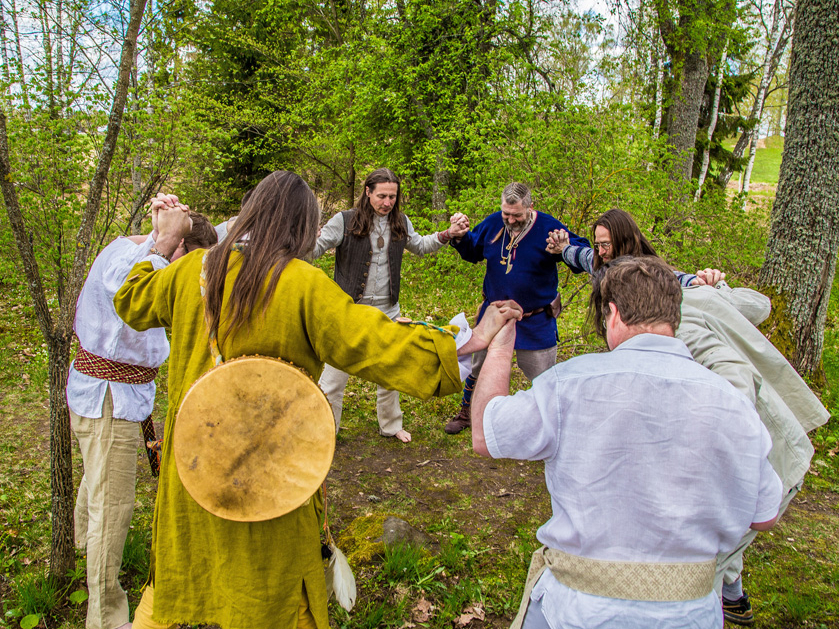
{"x":251,"y":575}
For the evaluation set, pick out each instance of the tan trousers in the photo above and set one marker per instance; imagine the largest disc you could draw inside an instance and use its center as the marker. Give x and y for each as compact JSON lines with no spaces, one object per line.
{"x":730,"y":565}
{"x":143,"y":619}
{"x":333,"y":382}
{"x":104,"y":507}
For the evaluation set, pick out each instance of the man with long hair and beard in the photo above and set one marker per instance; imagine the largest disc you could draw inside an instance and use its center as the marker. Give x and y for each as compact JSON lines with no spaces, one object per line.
{"x":369,"y":241}
{"x":256,"y":295}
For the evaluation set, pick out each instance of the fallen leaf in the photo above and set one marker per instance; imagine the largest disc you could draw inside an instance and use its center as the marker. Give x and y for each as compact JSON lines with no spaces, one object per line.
{"x":422,"y":610}
{"x":469,"y":614}
{"x":388,"y":470}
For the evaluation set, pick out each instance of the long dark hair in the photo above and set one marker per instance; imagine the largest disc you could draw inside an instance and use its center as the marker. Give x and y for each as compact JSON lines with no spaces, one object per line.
{"x":627,"y":239}
{"x":278,"y":222}
{"x":362,"y":221}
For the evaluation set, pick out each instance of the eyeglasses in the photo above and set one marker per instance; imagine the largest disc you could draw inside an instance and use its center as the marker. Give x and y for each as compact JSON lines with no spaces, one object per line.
{"x":602,"y":245}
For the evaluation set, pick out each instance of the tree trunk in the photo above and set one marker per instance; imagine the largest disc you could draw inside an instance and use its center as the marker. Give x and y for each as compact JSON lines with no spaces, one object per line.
{"x":712,"y":125}
{"x":683,"y":121}
{"x":778,"y":39}
{"x":3,"y":42}
{"x":760,"y":98}
{"x":94,"y":196}
{"x":24,"y":90}
{"x":62,"y":552}
{"x":658,"y":80}
{"x":804,"y":241}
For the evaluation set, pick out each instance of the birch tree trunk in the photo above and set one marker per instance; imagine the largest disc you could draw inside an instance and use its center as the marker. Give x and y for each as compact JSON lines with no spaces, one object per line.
{"x":58,"y":332}
{"x":712,"y":125}
{"x":804,"y":240}
{"x":778,"y":18}
{"x":779,"y":36}
{"x":4,"y":43}
{"x":24,"y":90}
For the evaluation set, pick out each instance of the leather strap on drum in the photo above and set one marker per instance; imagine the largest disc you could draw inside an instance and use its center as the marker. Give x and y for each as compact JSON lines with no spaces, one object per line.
{"x":111,"y":370}
{"x":628,"y":580}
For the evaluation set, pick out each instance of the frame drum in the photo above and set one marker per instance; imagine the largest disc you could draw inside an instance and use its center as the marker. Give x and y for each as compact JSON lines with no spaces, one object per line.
{"x":253,"y":439}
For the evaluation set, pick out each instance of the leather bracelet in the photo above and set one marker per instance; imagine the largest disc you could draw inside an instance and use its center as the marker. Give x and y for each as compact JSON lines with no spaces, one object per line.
{"x":158,"y":252}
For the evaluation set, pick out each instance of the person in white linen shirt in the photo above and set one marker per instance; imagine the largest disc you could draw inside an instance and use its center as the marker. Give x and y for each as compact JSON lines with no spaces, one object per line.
{"x":110,"y":388}
{"x":369,"y":242}
{"x":718,"y":327}
{"x":646,"y":486}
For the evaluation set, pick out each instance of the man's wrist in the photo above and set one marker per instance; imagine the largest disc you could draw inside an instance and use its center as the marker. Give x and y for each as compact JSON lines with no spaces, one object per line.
{"x":444,"y":236}
{"x":155,"y":251}
{"x":165,"y":245}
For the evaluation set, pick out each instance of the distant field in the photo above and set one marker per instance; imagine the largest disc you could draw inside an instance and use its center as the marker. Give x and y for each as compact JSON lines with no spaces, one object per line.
{"x":767,"y":161}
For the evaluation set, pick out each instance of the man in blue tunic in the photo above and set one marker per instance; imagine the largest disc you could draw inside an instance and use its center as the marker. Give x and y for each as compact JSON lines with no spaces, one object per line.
{"x":519,"y":267}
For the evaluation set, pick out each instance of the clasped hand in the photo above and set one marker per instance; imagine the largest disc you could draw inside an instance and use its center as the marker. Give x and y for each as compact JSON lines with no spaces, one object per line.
{"x":557,"y":240}
{"x":459,"y":225}
{"x":169,"y":217}
{"x":499,"y":320}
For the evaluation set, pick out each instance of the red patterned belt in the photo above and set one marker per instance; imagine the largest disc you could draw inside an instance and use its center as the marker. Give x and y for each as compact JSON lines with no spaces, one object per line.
{"x":106,"y":369}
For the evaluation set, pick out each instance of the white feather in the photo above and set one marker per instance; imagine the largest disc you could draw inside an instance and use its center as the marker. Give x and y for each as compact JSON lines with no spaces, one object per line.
{"x":340,"y":581}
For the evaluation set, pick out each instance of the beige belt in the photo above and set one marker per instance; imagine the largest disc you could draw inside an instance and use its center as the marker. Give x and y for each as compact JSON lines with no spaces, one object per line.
{"x":629,"y":580}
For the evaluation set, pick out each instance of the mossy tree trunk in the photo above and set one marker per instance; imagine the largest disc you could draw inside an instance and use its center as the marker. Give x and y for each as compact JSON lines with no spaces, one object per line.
{"x":803,"y":244}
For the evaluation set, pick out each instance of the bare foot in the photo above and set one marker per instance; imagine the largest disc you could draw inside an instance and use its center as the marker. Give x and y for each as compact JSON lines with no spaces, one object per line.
{"x":403,"y":435}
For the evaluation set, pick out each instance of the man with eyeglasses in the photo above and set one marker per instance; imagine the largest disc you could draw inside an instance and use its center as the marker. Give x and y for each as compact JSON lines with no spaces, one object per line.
{"x":110,"y":390}
{"x":512,"y":241}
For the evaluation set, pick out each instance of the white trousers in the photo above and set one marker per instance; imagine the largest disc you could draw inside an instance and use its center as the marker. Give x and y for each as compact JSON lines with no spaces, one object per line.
{"x":333,"y":382}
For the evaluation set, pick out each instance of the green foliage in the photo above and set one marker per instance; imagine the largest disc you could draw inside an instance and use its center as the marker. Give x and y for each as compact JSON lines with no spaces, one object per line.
{"x":36,"y":593}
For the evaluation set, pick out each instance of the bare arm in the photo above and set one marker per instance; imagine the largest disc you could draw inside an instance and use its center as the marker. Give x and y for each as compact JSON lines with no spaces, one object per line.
{"x":494,"y":381}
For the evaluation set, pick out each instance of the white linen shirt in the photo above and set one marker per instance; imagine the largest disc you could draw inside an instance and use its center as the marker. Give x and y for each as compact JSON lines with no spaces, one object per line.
{"x":102,"y":332}
{"x":649,"y":457}
{"x":377,"y":289}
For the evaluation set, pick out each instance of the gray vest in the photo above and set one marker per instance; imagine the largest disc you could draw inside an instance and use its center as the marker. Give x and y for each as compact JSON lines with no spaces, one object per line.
{"x":353,"y":257}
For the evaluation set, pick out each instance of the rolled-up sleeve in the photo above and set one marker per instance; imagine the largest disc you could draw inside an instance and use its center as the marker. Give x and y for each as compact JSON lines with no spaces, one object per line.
{"x":525,"y":425}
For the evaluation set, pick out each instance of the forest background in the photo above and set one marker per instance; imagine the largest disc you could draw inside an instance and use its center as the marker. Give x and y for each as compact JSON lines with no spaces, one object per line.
{"x":672,"y":111}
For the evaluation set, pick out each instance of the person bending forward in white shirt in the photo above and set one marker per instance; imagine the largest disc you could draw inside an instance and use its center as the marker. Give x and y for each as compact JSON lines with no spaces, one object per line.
{"x":654,"y":464}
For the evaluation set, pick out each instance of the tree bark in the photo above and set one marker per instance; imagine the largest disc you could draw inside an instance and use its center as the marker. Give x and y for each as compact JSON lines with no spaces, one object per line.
{"x":683,"y":120}
{"x":62,"y":551}
{"x":804,"y":240}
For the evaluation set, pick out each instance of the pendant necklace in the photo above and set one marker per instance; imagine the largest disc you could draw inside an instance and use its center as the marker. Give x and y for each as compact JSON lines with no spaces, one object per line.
{"x":381,"y":241}
{"x":507,"y":260}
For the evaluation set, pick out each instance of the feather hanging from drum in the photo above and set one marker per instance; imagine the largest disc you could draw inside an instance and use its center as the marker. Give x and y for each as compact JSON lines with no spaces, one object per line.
{"x":340,"y":581}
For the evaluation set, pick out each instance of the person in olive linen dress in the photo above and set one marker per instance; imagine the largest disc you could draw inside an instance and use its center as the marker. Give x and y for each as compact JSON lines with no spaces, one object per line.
{"x":265,"y":574}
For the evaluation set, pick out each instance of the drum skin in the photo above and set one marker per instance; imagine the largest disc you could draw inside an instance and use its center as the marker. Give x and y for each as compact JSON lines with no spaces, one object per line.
{"x":253,"y":439}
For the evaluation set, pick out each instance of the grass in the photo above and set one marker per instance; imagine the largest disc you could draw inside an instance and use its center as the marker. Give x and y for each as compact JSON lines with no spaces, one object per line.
{"x":767,"y":164}
{"x":484,"y":514}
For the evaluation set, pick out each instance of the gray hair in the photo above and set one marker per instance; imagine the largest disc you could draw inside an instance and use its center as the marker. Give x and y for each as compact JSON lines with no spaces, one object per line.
{"x":517,"y":192}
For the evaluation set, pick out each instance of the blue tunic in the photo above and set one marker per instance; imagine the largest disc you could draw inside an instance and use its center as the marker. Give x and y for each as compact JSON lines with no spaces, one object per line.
{"x":532,"y":281}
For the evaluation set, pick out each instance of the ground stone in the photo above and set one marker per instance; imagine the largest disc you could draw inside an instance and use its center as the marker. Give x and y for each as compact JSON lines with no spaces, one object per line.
{"x":396,"y":531}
